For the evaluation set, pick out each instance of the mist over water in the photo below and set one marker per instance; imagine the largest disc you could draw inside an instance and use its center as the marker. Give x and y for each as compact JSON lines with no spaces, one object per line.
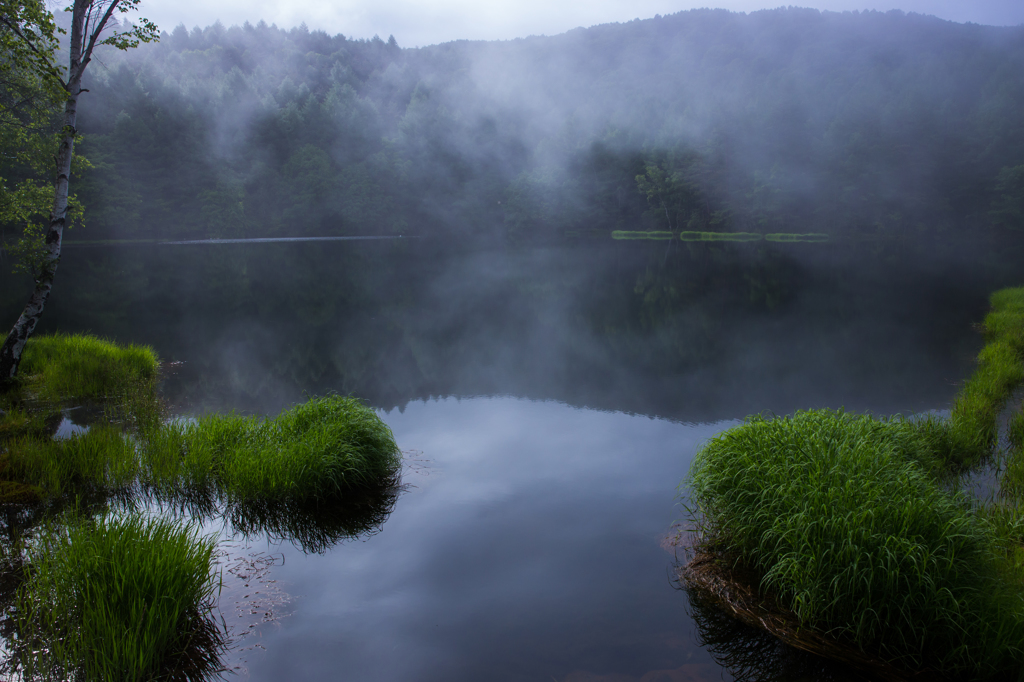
{"x":549,"y":401}
{"x":789,"y":120}
{"x":285,"y":213}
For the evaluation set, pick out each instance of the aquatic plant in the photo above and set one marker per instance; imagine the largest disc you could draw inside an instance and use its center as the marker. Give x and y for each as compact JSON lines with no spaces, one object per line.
{"x":59,"y":366}
{"x":630,"y":234}
{"x":788,"y":237}
{"x":1000,"y":370}
{"x":844,"y":521}
{"x":690,"y":236}
{"x":102,"y":458}
{"x":314,"y":451}
{"x":119,"y":598}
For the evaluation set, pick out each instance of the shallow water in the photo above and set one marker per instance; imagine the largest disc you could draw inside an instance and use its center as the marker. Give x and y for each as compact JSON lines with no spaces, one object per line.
{"x":548,"y":402}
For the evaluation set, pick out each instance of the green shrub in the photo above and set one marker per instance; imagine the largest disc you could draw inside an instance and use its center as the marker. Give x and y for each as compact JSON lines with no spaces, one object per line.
{"x":118,"y":599}
{"x":843,"y":517}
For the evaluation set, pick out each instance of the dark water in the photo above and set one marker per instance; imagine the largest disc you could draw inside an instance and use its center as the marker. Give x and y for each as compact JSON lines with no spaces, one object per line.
{"x":549,"y":403}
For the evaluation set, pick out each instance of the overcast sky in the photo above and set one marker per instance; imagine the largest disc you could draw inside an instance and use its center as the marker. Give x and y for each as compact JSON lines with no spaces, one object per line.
{"x":415,"y":22}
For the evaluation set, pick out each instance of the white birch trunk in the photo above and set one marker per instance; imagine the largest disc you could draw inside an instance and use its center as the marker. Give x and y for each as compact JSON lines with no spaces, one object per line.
{"x":14,"y":345}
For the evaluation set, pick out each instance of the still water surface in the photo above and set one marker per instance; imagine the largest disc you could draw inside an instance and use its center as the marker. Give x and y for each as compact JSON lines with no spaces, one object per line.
{"x":548,"y":401}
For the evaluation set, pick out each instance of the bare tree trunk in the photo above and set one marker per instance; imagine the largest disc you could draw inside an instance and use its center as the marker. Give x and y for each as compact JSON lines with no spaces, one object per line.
{"x":14,"y":345}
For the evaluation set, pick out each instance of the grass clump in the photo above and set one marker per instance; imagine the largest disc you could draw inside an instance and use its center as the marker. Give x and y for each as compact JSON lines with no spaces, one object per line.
{"x":124,"y":598}
{"x":972,"y":425}
{"x":845,"y":522}
{"x":102,"y":459}
{"x":60,"y":366}
{"x":313,"y":451}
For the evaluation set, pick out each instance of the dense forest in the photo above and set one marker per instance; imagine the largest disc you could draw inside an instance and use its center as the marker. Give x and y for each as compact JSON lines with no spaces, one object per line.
{"x":865,"y":124}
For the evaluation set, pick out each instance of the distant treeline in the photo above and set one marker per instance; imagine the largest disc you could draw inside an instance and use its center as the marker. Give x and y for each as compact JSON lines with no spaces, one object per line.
{"x":787,"y":120}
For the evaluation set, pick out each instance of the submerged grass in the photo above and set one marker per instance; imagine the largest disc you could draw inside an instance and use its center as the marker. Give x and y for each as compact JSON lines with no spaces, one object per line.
{"x":124,"y":598}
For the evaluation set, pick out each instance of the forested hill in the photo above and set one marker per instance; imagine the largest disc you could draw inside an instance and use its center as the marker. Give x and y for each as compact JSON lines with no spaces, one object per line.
{"x":781,"y":120}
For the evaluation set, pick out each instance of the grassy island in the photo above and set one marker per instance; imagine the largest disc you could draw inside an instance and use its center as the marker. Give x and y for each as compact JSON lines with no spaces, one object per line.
{"x":71,"y":563}
{"x":849,"y":536}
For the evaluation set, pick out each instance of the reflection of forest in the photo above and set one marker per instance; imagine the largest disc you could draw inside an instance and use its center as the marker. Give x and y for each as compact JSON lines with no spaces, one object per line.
{"x":689,"y":331}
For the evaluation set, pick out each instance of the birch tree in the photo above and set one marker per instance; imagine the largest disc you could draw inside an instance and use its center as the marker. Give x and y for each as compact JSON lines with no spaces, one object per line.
{"x":29,"y":42}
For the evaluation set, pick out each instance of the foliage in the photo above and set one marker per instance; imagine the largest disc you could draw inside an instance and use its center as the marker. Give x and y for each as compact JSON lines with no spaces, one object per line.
{"x":1000,"y":370}
{"x":699,"y":121}
{"x":61,"y":366}
{"x":314,"y":451}
{"x":851,"y":523}
{"x":118,"y":598}
{"x":30,"y":100}
{"x":102,"y":459}
{"x":845,"y":520}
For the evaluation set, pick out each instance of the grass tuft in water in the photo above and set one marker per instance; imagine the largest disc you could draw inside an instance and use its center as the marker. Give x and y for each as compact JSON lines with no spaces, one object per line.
{"x":103,"y":459}
{"x":313,"y":451}
{"x":60,"y":366}
{"x":844,"y":519}
{"x":124,"y":598}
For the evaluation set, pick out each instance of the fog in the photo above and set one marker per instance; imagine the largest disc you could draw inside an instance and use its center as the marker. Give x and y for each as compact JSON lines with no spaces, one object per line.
{"x":500,"y":171}
{"x":789,"y":120}
{"x":417,"y":24}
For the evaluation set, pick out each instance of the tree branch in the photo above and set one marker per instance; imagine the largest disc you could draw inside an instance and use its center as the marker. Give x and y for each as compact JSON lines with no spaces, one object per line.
{"x":96,"y":33}
{"x":42,"y":56}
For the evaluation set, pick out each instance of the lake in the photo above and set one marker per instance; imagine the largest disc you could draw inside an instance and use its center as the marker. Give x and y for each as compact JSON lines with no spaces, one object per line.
{"x":548,"y":402}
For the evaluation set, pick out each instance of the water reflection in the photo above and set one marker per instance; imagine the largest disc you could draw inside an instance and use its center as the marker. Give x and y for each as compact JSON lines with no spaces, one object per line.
{"x":749,"y":654}
{"x":557,"y":396}
{"x":694,"y":332}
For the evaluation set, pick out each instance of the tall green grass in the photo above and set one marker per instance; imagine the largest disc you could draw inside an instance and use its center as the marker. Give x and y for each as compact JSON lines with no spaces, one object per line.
{"x":315,"y":450}
{"x":103,"y":459}
{"x":81,"y":366}
{"x":843,"y":517}
{"x":119,"y":599}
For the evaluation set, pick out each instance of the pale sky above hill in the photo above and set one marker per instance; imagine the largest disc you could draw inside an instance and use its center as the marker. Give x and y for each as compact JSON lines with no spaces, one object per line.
{"x":415,"y":23}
